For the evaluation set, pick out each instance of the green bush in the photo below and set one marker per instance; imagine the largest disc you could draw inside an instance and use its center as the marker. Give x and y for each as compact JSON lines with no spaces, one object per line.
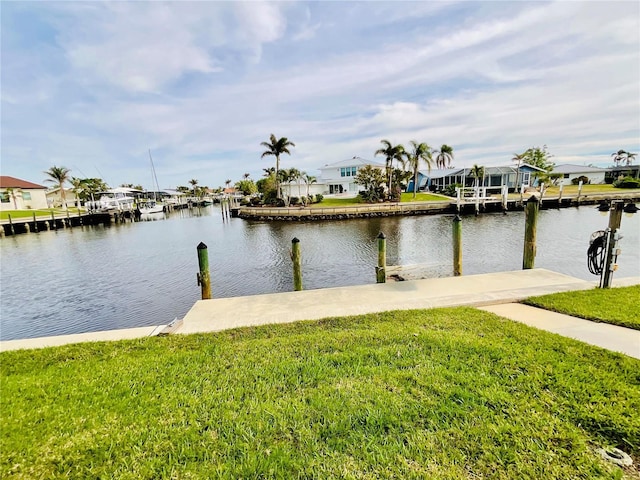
{"x":582,"y":178}
{"x":255,"y":201}
{"x":450,"y":190}
{"x":294,"y":200}
{"x":627,"y":182}
{"x":319,"y":197}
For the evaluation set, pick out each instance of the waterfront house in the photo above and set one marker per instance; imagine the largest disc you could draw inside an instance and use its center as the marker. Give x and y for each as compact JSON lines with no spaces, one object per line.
{"x":571,"y":171}
{"x":17,"y":194}
{"x":54,"y":198}
{"x":339,"y":177}
{"x":436,"y":180}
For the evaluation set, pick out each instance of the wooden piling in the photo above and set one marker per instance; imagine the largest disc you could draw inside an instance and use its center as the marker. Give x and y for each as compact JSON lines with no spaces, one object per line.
{"x":35,"y":223}
{"x":204,"y":279}
{"x":457,"y":246}
{"x":11,"y":230}
{"x":297,"y":264}
{"x":381,"y":269}
{"x":560,"y":195}
{"x":531,"y":224}
{"x":579,"y":191}
{"x":52,"y":224}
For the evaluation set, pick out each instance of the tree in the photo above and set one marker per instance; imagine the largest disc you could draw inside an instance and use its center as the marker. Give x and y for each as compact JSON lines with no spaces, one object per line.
{"x":477,"y":172}
{"x":246,"y":176}
{"x":538,"y":157}
{"x":277,"y":147}
{"x":11,"y":192}
{"x":309,"y":180}
{"x":193,"y":183}
{"x":58,"y":176}
{"x":269,"y":171}
{"x":391,"y":153}
{"x":246,"y":186}
{"x":623,"y":156}
{"x":371,"y":179}
{"x":421,"y":153}
{"x":444,"y":157}
{"x":77,"y":185}
{"x":518,"y":158}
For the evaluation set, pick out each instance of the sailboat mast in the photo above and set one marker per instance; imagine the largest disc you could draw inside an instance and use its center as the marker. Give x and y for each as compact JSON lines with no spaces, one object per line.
{"x":155,"y":178}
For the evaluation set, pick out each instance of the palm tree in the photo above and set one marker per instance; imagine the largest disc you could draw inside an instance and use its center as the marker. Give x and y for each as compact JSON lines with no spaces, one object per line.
{"x":309,"y":179}
{"x":518,"y":157}
{"x":444,"y":157}
{"x":477,"y":172}
{"x":193,"y":183}
{"x":277,"y":147}
{"x":246,"y":176}
{"x":269,"y":171}
{"x":58,"y":176}
{"x":12,"y":194}
{"x":78,"y":187}
{"x":421,"y":153}
{"x":391,"y":153}
{"x":623,"y":156}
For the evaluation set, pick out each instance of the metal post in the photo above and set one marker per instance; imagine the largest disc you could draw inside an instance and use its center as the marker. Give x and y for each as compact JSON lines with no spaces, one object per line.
{"x":457,"y":246}
{"x":297,"y":264}
{"x":204,"y":279}
{"x":381,"y":269}
{"x":615,"y":217}
{"x":531,"y":224}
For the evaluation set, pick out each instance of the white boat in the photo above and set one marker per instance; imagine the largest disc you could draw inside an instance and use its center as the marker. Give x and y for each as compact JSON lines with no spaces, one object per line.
{"x":116,"y":199}
{"x":149,"y":207}
{"x":152,"y":206}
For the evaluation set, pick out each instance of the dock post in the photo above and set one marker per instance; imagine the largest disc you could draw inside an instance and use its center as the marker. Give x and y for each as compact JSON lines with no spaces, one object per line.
{"x":457,"y":246}
{"x":11,"y":231}
{"x":458,"y":199}
{"x":53,"y":221}
{"x":505,"y":197}
{"x":35,"y":223}
{"x":531,"y":224}
{"x":579,"y":192}
{"x":381,"y":269}
{"x":612,"y":238}
{"x":1,"y":231}
{"x":560,"y":195}
{"x":476,"y":193}
{"x":297,"y":264}
{"x":204,"y":279}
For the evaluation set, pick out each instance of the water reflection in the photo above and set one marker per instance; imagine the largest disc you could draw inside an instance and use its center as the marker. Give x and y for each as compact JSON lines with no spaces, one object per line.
{"x":127,"y":275}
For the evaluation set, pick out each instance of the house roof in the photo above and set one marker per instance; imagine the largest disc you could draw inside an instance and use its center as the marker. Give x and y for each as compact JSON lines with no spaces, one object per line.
{"x":12,"y":182}
{"x":572,"y":168}
{"x":352,"y":162}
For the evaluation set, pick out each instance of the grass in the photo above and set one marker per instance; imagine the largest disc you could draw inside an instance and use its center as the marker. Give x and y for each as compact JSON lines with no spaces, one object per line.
{"x":4,"y":215}
{"x":619,"y":306}
{"x":444,"y":394}
{"x":586,"y":189}
{"x":406,"y":197}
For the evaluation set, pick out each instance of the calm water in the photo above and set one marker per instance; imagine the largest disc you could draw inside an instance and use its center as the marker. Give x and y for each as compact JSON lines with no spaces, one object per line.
{"x":139,"y":274}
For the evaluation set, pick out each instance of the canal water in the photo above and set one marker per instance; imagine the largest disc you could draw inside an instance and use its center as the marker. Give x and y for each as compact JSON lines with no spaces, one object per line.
{"x":139,"y":274}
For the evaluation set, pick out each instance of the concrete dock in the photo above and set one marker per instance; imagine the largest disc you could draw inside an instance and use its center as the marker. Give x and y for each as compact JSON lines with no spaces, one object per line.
{"x":472,"y":290}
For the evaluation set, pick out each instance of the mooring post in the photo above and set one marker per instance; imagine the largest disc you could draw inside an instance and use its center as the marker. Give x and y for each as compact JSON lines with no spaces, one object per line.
{"x":203,"y":275}
{"x":297,"y":264}
{"x":53,"y":221}
{"x":11,"y":231}
{"x":579,"y":191}
{"x":457,"y":246}
{"x":611,"y":245}
{"x":505,"y":197}
{"x":531,"y":224}
{"x":381,"y":269}
{"x":560,"y":195}
{"x":35,"y":223}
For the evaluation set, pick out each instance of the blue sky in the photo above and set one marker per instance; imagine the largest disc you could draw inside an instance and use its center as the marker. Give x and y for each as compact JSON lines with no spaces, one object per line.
{"x":92,"y":86}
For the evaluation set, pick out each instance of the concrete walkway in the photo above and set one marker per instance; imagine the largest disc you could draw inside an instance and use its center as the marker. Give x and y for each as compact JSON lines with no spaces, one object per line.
{"x":611,"y":337}
{"x":225,"y":313}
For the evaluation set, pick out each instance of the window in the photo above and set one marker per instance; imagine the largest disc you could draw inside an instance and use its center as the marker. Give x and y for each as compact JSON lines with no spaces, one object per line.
{"x":566,"y":175}
{"x":343,"y":172}
{"x":26,"y":195}
{"x":4,"y":197}
{"x":353,"y":171}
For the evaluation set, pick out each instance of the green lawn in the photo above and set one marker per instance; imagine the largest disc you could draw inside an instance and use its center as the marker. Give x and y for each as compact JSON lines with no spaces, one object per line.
{"x":447,"y":393}
{"x":406,"y":197}
{"x":424,"y":197}
{"x":4,"y":215}
{"x":620,"y":306}
{"x":587,"y":189}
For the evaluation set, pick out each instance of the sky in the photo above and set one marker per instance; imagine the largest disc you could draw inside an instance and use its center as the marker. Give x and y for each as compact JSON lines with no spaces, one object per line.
{"x":95,"y":86}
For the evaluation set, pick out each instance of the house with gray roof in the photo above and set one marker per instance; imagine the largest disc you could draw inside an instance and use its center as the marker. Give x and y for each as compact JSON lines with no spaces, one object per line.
{"x":570,"y":171}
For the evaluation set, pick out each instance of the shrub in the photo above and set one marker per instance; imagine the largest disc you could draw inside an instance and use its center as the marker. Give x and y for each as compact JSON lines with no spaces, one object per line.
{"x":319,"y":197}
{"x":582,"y":178}
{"x":627,"y":182}
{"x":450,"y":190}
{"x":294,"y":200}
{"x":255,"y":201}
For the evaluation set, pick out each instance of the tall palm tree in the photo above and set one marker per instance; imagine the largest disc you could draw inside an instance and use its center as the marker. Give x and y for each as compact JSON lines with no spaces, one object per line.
{"x":78,"y":187}
{"x":58,"y":176}
{"x":193,"y":183}
{"x":246,"y":176}
{"x":269,"y":171}
{"x":11,"y":192}
{"x":444,"y":157}
{"x":276,"y":147}
{"x":477,"y":172}
{"x":518,"y":157}
{"x":421,"y":153}
{"x":391,"y":153}
{"x":309,"y":179}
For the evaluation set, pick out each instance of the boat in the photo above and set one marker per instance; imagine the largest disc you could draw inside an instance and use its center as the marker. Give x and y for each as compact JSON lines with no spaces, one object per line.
{"x":152,"y":206}
{"x":114,"y":200}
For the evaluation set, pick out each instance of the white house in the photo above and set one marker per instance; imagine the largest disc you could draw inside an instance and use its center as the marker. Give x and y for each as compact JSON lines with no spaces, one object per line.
{"x":16,"y":194}
{"x":339,"y":177}
{"x":54,"y":199}
{"x":571,"y":171}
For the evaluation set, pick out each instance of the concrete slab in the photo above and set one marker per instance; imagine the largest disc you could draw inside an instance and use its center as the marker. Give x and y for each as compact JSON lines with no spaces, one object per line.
{"x":224,"y":313}
{"x":611,"y":337}
{"x":107,"y":335}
